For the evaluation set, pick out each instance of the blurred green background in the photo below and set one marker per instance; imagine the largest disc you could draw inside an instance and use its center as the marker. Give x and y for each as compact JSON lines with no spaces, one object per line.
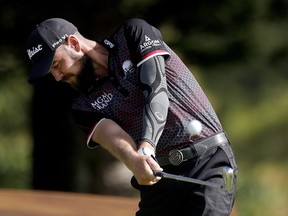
{"x":238,"y":50}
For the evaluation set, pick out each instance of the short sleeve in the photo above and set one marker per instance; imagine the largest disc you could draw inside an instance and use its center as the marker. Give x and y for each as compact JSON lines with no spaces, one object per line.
{"x":144,"y":40}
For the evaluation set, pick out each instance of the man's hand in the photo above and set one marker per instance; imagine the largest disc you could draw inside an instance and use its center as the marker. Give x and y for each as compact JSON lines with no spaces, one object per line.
{"x":146,"y":164}
{"x":143,"y":166}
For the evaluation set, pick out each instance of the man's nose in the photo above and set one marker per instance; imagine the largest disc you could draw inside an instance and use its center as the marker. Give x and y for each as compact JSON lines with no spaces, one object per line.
{"x":57,"y":75}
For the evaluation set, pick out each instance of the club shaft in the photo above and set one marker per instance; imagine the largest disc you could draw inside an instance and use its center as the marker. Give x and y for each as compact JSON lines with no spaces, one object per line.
{"x":190,"y":180}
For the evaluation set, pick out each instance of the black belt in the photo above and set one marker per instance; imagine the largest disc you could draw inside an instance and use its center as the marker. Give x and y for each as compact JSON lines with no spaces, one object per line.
{"x":176,"y":157}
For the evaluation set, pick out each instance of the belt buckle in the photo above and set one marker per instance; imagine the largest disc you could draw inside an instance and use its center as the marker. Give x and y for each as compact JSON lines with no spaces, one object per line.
{"x":175,"y":157}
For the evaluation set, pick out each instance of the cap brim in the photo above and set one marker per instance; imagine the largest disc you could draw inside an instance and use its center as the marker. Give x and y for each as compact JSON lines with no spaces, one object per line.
{"x":41,"y":69}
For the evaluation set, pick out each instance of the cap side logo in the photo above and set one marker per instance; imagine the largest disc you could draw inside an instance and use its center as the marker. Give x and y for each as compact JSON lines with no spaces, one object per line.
{"x":60,"y":41}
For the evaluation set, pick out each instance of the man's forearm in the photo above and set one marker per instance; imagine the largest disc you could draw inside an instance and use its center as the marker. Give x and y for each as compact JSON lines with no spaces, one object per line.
{"x":111,"y":137}
{"x":114,"y":139}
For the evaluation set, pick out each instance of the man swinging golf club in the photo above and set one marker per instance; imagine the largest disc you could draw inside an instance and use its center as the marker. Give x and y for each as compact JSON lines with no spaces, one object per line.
{"x":136,"y":99}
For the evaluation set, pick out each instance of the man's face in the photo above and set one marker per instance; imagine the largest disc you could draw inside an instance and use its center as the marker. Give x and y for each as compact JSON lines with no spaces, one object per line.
{"x":73,"y":68}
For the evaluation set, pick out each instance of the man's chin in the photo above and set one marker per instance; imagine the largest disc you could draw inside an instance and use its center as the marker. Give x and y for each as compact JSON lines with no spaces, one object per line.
{"x":76,"y":87}
{"x":81,"y":88}
{"x":73,"y":85}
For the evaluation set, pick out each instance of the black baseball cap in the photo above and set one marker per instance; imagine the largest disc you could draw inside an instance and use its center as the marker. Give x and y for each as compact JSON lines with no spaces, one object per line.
{"x":42,"y":43}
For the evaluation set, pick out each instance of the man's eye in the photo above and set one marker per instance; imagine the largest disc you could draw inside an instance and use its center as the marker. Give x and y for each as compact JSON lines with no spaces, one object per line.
{"x":55,"y":65}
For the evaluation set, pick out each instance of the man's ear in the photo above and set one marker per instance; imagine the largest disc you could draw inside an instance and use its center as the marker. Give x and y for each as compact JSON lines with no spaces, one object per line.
{"x":73,"y":42}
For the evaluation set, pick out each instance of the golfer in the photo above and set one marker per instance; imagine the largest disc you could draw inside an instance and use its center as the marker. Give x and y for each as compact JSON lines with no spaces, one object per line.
{"x":136,"y":98}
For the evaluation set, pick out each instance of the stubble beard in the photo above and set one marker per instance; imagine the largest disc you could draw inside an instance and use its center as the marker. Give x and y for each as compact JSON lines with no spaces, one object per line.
{"x":86,"y":78}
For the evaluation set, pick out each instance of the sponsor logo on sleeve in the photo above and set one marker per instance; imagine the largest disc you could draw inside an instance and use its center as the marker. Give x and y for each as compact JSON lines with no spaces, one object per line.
{"x":149,"y":43}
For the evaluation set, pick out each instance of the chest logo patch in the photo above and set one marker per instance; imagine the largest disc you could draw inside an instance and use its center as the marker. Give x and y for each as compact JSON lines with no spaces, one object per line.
{"x":127,"y":66}
{"x":102,"y":101}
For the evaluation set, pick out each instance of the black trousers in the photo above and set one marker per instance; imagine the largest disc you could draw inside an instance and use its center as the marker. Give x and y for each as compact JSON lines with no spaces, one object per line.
{"x":172,"y":197}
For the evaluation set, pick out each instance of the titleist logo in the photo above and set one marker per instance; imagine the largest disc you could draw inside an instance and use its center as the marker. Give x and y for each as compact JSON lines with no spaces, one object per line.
{"x":31,"y":52}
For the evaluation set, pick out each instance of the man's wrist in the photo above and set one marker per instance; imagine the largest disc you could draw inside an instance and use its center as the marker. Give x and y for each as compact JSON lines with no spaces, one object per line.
{"x":152,"y":144}
{"x":146,"y":151}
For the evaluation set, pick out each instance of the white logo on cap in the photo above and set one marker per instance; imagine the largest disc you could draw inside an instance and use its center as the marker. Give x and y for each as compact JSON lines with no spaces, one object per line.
{"x":60,"y":41}
{"x":34,"y":50}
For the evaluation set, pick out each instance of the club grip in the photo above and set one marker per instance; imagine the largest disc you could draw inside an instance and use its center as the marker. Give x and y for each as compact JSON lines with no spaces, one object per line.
{"x":157,"y":173}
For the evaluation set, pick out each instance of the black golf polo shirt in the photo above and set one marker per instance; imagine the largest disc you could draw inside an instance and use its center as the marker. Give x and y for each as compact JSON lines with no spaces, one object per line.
{"x":120,"y":98}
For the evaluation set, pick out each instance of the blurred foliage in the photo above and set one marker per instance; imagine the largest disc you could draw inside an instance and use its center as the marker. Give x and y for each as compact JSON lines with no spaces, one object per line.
{"x":15,"y":138}
{"x":237,"y":49}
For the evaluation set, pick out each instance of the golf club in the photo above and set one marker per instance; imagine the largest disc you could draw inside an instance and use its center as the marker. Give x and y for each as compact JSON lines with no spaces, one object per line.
{"x":227,"y":175}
